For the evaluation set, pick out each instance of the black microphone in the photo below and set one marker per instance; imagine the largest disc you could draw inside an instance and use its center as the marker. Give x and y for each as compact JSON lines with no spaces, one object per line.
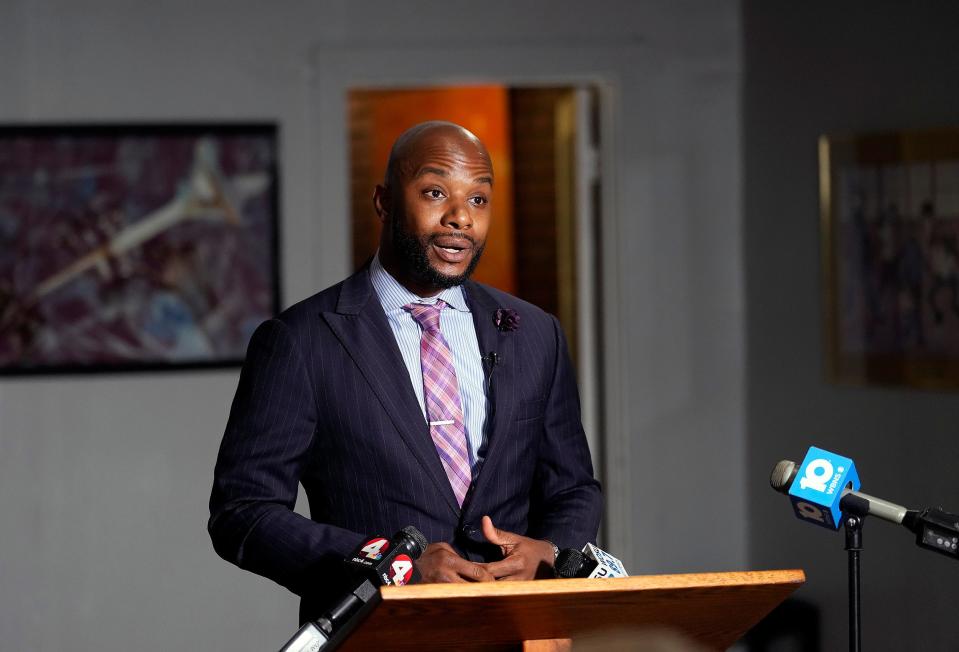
{"x":378,"y":562}
{"x":572,"y":563}
{"x":390,"y":562}
{"x":490,"y":360}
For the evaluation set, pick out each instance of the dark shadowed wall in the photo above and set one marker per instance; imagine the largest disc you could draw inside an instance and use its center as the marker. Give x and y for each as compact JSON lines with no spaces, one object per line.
{"x":814,"y":68}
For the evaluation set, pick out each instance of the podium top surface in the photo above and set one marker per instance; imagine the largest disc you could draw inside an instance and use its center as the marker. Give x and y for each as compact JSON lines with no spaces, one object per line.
{"x":716,"y":609}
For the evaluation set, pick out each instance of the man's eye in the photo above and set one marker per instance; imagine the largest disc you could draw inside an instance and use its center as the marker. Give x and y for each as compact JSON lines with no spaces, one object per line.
{"x":434,"y":193}
{"x":479,"y":201}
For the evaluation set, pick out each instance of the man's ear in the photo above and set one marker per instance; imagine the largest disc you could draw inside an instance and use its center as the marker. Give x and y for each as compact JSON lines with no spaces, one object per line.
{"x":381,"y":202}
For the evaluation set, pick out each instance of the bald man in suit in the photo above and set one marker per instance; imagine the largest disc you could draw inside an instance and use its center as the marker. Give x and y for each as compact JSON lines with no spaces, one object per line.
{"x":466,"y":427}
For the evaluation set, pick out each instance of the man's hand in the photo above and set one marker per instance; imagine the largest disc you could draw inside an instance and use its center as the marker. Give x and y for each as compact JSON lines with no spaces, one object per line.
{"x":440,"y":563}
{"x":523,"y":558}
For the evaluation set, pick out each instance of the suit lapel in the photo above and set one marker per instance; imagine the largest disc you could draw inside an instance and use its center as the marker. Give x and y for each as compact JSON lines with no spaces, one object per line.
{"x":502,"y":377}
{"x":361,"y":326}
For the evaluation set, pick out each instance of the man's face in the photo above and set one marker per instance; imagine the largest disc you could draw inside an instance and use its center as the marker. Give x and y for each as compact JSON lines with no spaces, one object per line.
{"x":439,"y":212}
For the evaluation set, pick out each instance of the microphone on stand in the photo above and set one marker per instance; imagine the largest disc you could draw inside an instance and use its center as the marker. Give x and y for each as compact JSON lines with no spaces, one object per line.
{"x":824,"y":490}
{"x":825,"y":486}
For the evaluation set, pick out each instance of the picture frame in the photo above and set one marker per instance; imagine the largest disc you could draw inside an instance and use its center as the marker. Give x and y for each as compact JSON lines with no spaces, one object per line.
{"x":136,"y":247}
{"x":889,"y":223}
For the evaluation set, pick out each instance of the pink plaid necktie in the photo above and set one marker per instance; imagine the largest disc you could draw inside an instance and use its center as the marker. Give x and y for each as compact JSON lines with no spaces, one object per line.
{"x":442,"y":395}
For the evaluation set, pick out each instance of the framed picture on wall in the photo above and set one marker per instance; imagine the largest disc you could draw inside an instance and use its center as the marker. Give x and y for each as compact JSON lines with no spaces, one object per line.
{"x":890,"y":253}
{"x":135,"y":247}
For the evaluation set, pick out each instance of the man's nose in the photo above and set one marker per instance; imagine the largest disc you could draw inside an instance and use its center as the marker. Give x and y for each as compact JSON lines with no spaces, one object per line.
{"x":458,"y":215}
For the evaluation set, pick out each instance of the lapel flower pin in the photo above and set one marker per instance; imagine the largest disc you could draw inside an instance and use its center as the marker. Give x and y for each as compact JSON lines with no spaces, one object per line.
{"x":506,"y":319}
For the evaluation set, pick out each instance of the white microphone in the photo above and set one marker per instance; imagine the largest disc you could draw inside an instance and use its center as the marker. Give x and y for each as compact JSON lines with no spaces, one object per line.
{"x":591,"y":562}
{"x":606,"y":564}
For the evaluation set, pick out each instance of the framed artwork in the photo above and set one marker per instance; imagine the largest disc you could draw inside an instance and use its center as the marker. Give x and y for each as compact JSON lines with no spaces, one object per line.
{"x":890,"y":253}
{"x":135,"y":247}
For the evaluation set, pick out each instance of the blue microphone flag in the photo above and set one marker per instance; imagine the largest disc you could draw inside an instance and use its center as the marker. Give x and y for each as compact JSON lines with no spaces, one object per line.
{"x":818,"y":487}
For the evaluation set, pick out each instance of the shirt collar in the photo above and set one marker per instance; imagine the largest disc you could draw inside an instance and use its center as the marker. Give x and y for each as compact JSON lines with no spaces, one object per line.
{"x":394,"y":295}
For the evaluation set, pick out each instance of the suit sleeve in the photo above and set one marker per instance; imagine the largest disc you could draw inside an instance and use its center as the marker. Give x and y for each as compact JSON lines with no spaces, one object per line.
{"x":264,"y":449}
{"x":566,"y":502}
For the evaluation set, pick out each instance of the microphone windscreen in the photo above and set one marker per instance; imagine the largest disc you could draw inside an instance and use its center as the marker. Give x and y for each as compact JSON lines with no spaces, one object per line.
{"x":417,"y":538}
{"x":569,"y":563}
{"x":783,"y":475}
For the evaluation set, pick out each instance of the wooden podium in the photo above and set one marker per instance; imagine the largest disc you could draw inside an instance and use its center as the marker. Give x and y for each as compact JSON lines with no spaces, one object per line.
{"x":714,"y":609}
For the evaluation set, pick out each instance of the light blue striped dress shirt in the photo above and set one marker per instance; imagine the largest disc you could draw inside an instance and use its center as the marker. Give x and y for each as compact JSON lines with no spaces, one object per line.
{"x":456,"y":322}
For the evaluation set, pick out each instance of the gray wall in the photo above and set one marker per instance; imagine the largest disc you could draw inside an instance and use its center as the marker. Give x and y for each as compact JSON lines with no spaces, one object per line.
{"x":104,"y":480}
{"x":814,"y":68}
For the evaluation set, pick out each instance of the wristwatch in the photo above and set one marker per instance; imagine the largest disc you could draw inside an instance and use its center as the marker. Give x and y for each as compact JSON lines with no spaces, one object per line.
{"x":555,"y":549}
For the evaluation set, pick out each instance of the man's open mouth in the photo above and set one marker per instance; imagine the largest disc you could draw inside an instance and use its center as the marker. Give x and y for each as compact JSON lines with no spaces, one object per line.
{"x":452,"y":250}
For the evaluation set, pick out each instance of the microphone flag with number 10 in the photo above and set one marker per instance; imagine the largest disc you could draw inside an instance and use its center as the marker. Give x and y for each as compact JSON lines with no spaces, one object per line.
{"x":818,"y":487}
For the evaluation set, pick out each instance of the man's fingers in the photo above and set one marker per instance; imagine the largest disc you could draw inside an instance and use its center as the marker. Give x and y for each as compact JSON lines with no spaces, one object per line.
{"x":496,"y":536}
{"x":440,"y":563}
{"x":470,"y":570}
{"x":437,"y":564}
{"x":450,"y":577}
{"x":478,"y":573}
{"x":463,"y":569}
{"x":506,"y":568}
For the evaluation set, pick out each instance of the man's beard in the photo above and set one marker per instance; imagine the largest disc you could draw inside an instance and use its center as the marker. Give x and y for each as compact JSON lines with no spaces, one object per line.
{"x":412,"y":251}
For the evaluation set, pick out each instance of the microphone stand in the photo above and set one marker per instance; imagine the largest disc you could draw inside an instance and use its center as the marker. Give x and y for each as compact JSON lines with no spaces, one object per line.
{"x":935,"y":529}
{"x":853,"y":527}
{"x":854,"y":511}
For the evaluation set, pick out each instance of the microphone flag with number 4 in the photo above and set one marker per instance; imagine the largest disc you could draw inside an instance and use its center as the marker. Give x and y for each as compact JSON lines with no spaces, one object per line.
{"x":818,"y":487}
{"x":373,"y":549}
{"x":387,"y":561}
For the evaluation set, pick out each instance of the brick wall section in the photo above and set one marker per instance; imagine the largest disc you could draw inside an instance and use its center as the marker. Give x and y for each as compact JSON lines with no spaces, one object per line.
{"x":534,"y":174}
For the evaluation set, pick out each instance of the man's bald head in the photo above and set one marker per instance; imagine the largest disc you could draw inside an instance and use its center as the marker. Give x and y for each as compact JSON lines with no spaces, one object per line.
{"x":435,"y":207}
{"x":421,"y":138}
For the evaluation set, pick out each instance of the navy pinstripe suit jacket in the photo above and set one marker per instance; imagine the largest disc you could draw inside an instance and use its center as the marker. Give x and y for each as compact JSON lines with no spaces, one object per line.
{"x":325,"y":400}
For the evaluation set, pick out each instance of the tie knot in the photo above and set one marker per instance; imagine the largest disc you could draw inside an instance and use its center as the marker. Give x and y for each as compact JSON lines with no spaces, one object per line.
{"x":426,"y":315}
